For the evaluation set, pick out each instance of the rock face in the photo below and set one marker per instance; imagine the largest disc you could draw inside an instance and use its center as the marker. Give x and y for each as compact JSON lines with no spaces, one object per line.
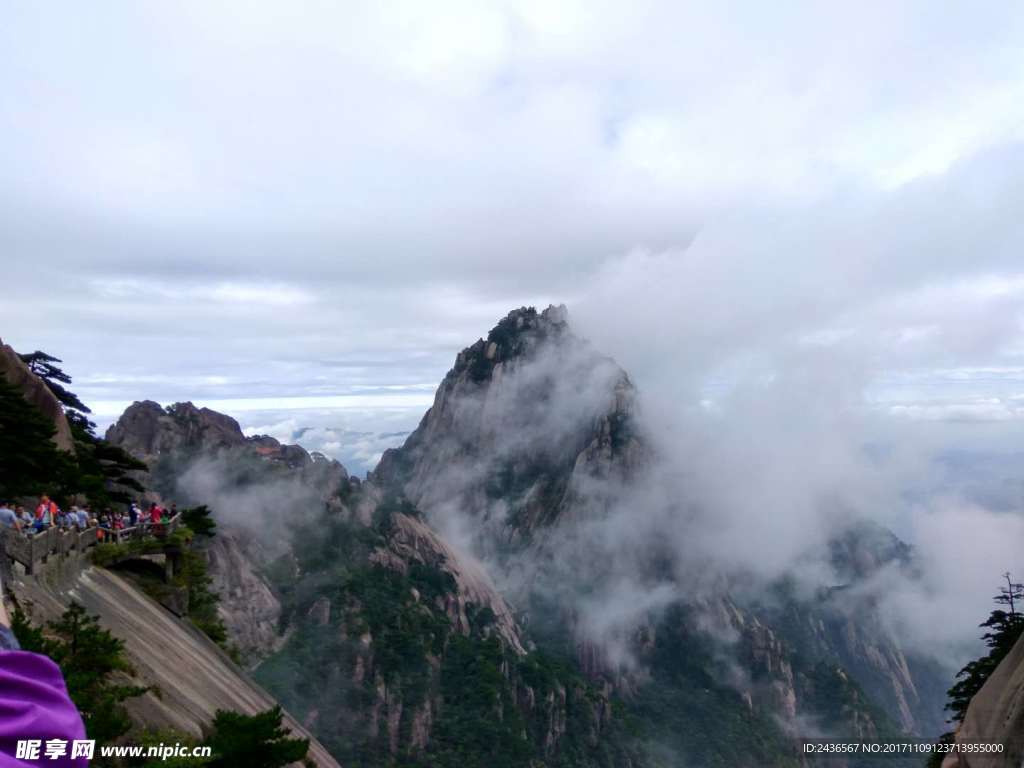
{"x":996,"y":716}
{"x":248,"y":606}
{"x":36,"y":392}
{"x":148,"y":431}
{"x":412,"y":542}
{"x":521,"y":427}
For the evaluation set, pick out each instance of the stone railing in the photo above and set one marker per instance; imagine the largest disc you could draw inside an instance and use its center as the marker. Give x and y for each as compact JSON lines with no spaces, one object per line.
{"x":33,"y":549}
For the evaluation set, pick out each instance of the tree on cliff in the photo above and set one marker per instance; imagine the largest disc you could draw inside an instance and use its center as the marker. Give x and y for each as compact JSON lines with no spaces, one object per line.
{"x":199,"y":520}
{"x":255,"y":741}
{"x":103,"y":471}
{"x":29,"y":460}
{"x":42,"y":365}
{"x":1004,"y":626}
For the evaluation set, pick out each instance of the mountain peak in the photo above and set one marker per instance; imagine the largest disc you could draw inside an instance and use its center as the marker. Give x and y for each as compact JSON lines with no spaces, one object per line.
{"x":522,"y":422}
{"x":517,"y":334}
{"x":146,"y":429}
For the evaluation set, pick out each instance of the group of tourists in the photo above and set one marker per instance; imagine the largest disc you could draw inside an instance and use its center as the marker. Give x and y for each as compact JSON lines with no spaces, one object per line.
{"x":47,"y":514}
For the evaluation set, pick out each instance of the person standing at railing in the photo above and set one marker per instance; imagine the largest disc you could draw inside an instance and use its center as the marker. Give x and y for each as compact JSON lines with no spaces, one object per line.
{"x":46,"y":513}
{"x":133,"y":514}
{"x":26,"y":519}
{"x":156,"y":516}
{"x":75,"y":517}
{"x":8,"y":517}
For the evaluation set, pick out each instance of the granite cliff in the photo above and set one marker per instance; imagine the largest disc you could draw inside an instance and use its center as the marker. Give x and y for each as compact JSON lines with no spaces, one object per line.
{"x":996,"y":716}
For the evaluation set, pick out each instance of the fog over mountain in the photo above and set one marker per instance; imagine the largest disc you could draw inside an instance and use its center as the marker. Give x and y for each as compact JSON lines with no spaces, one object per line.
{"x":795,"y":232}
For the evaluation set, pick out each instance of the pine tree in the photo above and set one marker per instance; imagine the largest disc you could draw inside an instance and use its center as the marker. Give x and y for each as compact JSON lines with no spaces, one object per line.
{"x":103,"y":471}
{"x":1011,"y":594}
{"x":29,"y":460}
{"x":200,"y":520}
{"x":1004,"y":628}
{"x":255,"y":741}
{"x":91,"y":659}
{"x":42,"y":365}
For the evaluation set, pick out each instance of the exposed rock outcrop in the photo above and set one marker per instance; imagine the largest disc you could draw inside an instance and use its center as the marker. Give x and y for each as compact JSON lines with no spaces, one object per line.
{"x":413,"y":541}
{"x":36,"y":392}
{"x":996,"y":716}
{"x":248,"y":606}
{"x":149,"y":431}
{"x":521,"y":427}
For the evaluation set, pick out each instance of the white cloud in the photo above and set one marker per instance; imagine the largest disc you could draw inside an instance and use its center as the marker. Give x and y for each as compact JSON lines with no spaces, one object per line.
{"x":148,"y":292}
{"x":805,"y":216}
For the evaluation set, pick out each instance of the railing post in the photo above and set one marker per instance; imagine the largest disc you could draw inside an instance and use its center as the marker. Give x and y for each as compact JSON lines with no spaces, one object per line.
{"x":6,"y":571}
{"x":30,"y":566}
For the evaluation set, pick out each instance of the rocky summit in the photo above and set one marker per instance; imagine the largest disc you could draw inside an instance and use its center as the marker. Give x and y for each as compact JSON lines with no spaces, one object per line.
{"x":461,"y":606}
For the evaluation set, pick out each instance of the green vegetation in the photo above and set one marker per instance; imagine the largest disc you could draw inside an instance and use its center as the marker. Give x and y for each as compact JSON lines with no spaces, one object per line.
{"x":101,"y":471}
{"x":157,"y":737}
{"x":42,"y":365}
{"x":255,"y":741}
{"x":109,"y":552}
{"x":1004,"y":627}
{"x":190,"y":576}
{"x":334,"y":598}
{"x":509,"y":340}
{"x":199,"y":519}
{"x":202,"y":600}
{"x":480,"y":723}
{"x":234,"y":739}
{"x":29,"y":461}
{"x":94,"y":666}
{"x":692,"y":714}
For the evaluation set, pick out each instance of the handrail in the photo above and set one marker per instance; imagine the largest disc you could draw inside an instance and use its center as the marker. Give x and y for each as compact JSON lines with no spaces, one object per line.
{"x":37,"y":548}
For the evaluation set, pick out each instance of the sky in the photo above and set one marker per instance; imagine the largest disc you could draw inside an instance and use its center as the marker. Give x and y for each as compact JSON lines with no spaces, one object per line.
{"x":298,"y":214}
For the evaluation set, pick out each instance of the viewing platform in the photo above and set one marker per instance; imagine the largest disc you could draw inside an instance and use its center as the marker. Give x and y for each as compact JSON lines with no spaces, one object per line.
{"x":34,"y":550}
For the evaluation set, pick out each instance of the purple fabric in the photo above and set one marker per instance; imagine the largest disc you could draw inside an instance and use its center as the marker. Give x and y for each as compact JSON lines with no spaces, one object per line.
{"x":34,"y":704}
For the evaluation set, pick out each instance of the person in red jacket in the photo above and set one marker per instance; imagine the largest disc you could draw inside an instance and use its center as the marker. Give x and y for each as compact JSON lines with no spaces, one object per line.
{"x":46,"y":513}
{"x":155,"y":514}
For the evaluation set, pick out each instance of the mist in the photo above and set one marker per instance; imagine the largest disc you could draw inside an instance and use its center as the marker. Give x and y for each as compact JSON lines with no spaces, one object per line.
{"x":803,"y":367}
